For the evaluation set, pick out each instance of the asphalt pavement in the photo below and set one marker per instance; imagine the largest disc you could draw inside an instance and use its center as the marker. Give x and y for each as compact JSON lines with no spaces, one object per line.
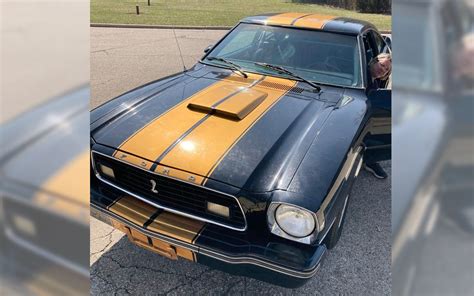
{"x":122,"y":59}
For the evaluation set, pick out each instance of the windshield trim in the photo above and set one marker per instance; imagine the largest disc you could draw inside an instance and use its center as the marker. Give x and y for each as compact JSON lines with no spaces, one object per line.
{"x":362,"y":60}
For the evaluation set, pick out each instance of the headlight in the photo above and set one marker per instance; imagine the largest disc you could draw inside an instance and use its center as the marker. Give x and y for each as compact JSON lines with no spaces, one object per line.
{"x":292,"y":222}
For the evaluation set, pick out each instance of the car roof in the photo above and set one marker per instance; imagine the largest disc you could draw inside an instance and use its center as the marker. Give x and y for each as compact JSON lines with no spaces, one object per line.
{"x":311,"y":21}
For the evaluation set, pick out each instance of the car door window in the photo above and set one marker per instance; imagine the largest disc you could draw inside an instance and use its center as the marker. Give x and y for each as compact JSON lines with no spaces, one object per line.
{"x":374,"y":45}
{"x":380,"y":44}
{"x":370,"y":52}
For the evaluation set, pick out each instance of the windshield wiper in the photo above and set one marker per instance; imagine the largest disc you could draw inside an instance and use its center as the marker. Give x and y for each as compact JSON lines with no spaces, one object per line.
{"x":282,"y":70}
{"x":231,"y":65}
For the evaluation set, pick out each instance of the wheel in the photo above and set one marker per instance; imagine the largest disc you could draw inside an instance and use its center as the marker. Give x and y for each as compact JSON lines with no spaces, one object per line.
{"x":336,"y":230}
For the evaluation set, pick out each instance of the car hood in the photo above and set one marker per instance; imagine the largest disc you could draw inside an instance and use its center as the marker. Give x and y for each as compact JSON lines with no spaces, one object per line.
{"x":210,"y":127}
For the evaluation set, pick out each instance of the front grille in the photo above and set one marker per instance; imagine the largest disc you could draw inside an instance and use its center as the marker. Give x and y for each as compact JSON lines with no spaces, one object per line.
{"x":172,"y":194}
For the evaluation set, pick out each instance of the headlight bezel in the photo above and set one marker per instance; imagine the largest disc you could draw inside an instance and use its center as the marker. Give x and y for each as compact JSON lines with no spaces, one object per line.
{"x":276,"y":229}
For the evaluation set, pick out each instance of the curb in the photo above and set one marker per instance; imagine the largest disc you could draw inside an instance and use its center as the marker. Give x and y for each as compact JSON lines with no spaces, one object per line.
{"x":137,"y":26}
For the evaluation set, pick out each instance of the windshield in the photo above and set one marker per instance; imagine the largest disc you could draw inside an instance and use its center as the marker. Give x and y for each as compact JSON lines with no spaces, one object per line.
{"x":317,"y":56}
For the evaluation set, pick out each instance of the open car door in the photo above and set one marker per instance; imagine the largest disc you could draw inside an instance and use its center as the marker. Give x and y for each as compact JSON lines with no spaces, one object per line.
{"x":378,"y":141}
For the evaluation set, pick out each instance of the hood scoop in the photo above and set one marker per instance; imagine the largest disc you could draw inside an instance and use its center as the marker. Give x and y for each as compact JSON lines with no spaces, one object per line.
{"x":233,"y":102}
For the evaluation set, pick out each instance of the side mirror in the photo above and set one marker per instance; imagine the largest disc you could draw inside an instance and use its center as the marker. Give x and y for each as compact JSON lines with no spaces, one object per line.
{"x":207,"y":49}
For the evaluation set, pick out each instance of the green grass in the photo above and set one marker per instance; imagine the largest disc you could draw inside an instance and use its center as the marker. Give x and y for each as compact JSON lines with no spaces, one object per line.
{"x":210,"y":12}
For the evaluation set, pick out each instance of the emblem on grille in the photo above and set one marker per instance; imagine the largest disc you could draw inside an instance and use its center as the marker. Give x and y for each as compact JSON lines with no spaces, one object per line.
{"x":153,"y":186}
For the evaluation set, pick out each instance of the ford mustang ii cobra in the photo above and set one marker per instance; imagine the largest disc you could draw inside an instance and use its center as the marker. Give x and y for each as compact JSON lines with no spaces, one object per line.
{"x":246,"y":161}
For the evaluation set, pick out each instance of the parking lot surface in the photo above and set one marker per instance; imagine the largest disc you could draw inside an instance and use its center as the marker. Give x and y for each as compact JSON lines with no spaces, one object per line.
{"x":122,"y":59}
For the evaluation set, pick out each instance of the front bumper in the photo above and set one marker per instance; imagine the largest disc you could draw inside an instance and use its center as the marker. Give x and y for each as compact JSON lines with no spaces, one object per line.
{"x":278,"y":262}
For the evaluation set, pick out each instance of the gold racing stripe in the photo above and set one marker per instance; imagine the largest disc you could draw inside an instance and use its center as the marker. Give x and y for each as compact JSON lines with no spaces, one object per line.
{"x":151,"y":141}
{"x":241,"y":105}
{"x":165,"y":223}
{"x":201,"y":151}
{"x":179,"y":227}
{"x":133,"y":210}
{"x":284,"y":18}
{"x":313,"y":21}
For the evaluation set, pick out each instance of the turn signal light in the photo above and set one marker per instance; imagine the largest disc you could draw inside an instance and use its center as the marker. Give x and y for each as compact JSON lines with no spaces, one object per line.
{"x":107,"y":171}
{"x":218,"y":209}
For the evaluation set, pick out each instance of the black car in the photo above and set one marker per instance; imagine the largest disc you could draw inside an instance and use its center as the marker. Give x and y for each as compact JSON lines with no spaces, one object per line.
{"x":246,"y":161}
